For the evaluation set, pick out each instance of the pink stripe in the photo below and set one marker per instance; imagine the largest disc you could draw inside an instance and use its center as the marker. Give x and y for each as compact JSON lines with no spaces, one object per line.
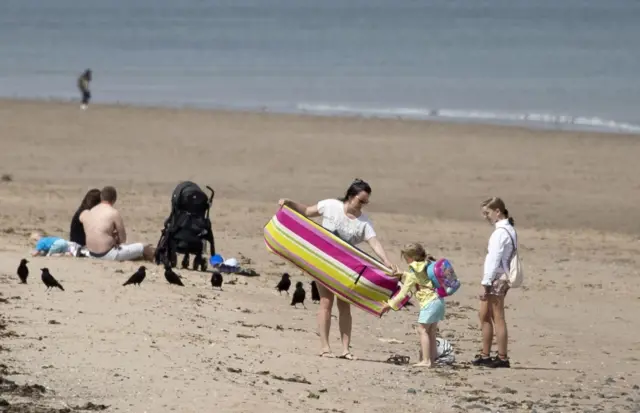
{"x":342,"y":293}
{"x":271,"y":241}
{"x":322,"y":232}
{"x":317,"y":270}
{"x":338,"y":252}
{"x":354,"y":293}
{"x":334,"y":290}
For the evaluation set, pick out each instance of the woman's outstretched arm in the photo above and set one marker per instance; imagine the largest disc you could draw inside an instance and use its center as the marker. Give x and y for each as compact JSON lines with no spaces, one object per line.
{"x":375,"y":244}
{"x":308,"y":211}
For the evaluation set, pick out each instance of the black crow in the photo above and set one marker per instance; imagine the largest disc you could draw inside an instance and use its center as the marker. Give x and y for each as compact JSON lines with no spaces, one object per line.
{"x":315,"y":294}
{"x":284,"y":284}
{"x":298,"y":295}
{"x":23,"y":271}
{"x":49,"y":281}
{"x":216,"y":279}
{"x":172,"y":277}
{"x":137,"y":276}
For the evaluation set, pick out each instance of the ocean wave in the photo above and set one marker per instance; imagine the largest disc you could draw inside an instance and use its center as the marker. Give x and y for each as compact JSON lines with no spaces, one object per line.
{"x":539,"y":119}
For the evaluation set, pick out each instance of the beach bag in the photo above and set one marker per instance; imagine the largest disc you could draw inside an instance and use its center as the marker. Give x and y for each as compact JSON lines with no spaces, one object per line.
{"x":514,"y":273}
{"x":443,"y":277}
{"x":444,"y":352}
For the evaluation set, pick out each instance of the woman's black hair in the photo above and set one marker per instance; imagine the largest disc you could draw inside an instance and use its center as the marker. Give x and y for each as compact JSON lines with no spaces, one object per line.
{"x":357,"y":186}
{"x":91,"y":199}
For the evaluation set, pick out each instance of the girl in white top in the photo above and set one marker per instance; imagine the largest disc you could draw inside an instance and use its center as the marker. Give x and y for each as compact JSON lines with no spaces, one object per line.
{"x":344,"y":217}
{"x":495,"y":283}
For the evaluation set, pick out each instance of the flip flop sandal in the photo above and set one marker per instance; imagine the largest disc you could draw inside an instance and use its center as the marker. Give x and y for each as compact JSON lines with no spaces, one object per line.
{"x":398,"y":359}
{"x":347,"y":356}
{"x":327,"y":354}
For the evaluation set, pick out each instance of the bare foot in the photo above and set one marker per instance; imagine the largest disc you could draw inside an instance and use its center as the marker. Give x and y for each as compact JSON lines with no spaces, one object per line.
{"x":424,"y":364}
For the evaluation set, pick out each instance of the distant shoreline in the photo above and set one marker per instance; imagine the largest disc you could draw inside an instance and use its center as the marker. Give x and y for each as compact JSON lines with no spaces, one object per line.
{"x":440,"y":116}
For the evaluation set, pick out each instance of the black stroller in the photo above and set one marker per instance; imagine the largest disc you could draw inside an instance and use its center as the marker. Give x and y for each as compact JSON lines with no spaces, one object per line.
{"x":187,"y":229}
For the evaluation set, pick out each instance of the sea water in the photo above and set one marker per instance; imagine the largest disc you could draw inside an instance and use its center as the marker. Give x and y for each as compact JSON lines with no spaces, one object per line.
{"x":565,"y":64}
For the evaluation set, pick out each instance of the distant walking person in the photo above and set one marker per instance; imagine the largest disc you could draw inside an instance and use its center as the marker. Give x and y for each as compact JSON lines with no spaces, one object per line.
{"x":83,"y":85}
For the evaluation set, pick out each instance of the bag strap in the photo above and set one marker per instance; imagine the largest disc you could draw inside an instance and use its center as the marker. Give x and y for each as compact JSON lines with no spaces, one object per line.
{"x":513,"y":242}
{"x":433,"y":280}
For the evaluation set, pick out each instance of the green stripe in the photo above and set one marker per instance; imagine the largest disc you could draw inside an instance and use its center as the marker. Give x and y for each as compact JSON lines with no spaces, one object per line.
{"x":356,"y":250}
{"x":282,"y":230}
{"x":285,"y":233}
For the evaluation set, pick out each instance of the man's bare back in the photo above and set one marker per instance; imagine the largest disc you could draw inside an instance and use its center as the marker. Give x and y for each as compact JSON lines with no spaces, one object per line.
{"x":103,"y":227}
{"x":105,"y":234}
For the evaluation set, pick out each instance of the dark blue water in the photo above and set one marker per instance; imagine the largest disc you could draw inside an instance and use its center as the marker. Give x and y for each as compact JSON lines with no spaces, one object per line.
{"x":560,"y":63}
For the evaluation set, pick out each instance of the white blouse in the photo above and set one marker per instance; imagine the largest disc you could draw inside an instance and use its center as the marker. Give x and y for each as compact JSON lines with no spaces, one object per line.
{"x":499,"y":251}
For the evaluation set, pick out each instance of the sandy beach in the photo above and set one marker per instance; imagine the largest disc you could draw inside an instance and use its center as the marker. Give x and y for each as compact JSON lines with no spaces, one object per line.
{"x":160,"y":348}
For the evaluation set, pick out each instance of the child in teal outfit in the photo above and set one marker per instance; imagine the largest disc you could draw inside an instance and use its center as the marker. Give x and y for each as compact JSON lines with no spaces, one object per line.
{"x":50,"y":246}
{"x":431,"y":305}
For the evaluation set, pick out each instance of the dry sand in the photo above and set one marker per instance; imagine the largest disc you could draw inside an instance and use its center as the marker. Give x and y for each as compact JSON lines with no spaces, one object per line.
{"x":574,"y":340}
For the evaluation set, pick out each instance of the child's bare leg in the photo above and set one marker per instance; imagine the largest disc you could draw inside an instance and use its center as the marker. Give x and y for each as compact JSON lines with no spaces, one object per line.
{"x":424,"y":345}
{"x":433,"y":344}
{"x":418,"y":330}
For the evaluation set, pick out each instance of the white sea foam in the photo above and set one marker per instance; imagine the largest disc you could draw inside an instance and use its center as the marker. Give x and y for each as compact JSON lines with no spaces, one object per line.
{"x":539,"y":119}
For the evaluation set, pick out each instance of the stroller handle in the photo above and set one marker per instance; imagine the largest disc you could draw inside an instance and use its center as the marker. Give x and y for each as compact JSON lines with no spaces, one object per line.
{"x":212,"y":193}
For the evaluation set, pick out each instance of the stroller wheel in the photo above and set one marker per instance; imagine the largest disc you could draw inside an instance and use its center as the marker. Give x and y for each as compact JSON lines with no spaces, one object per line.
{"x":173,"y":260}
{"x":197,"y":262}
{"x":185,"y":262}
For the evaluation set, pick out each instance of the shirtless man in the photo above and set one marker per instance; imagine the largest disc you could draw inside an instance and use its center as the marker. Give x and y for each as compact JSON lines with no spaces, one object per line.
{"x":105,"y":233}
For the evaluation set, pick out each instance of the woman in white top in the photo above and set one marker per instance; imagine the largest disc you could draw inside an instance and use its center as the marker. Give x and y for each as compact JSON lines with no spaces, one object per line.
{"x":495,"y":282}
{"x":344,"y":217}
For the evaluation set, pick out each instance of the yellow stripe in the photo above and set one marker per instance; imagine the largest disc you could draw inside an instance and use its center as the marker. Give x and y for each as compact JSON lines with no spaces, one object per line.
{"x":294,"y":245}
{"x":364,"y":286}
{"x":356,"y":251}
{"x":317,"y":258}
{"x":291,"y":248}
